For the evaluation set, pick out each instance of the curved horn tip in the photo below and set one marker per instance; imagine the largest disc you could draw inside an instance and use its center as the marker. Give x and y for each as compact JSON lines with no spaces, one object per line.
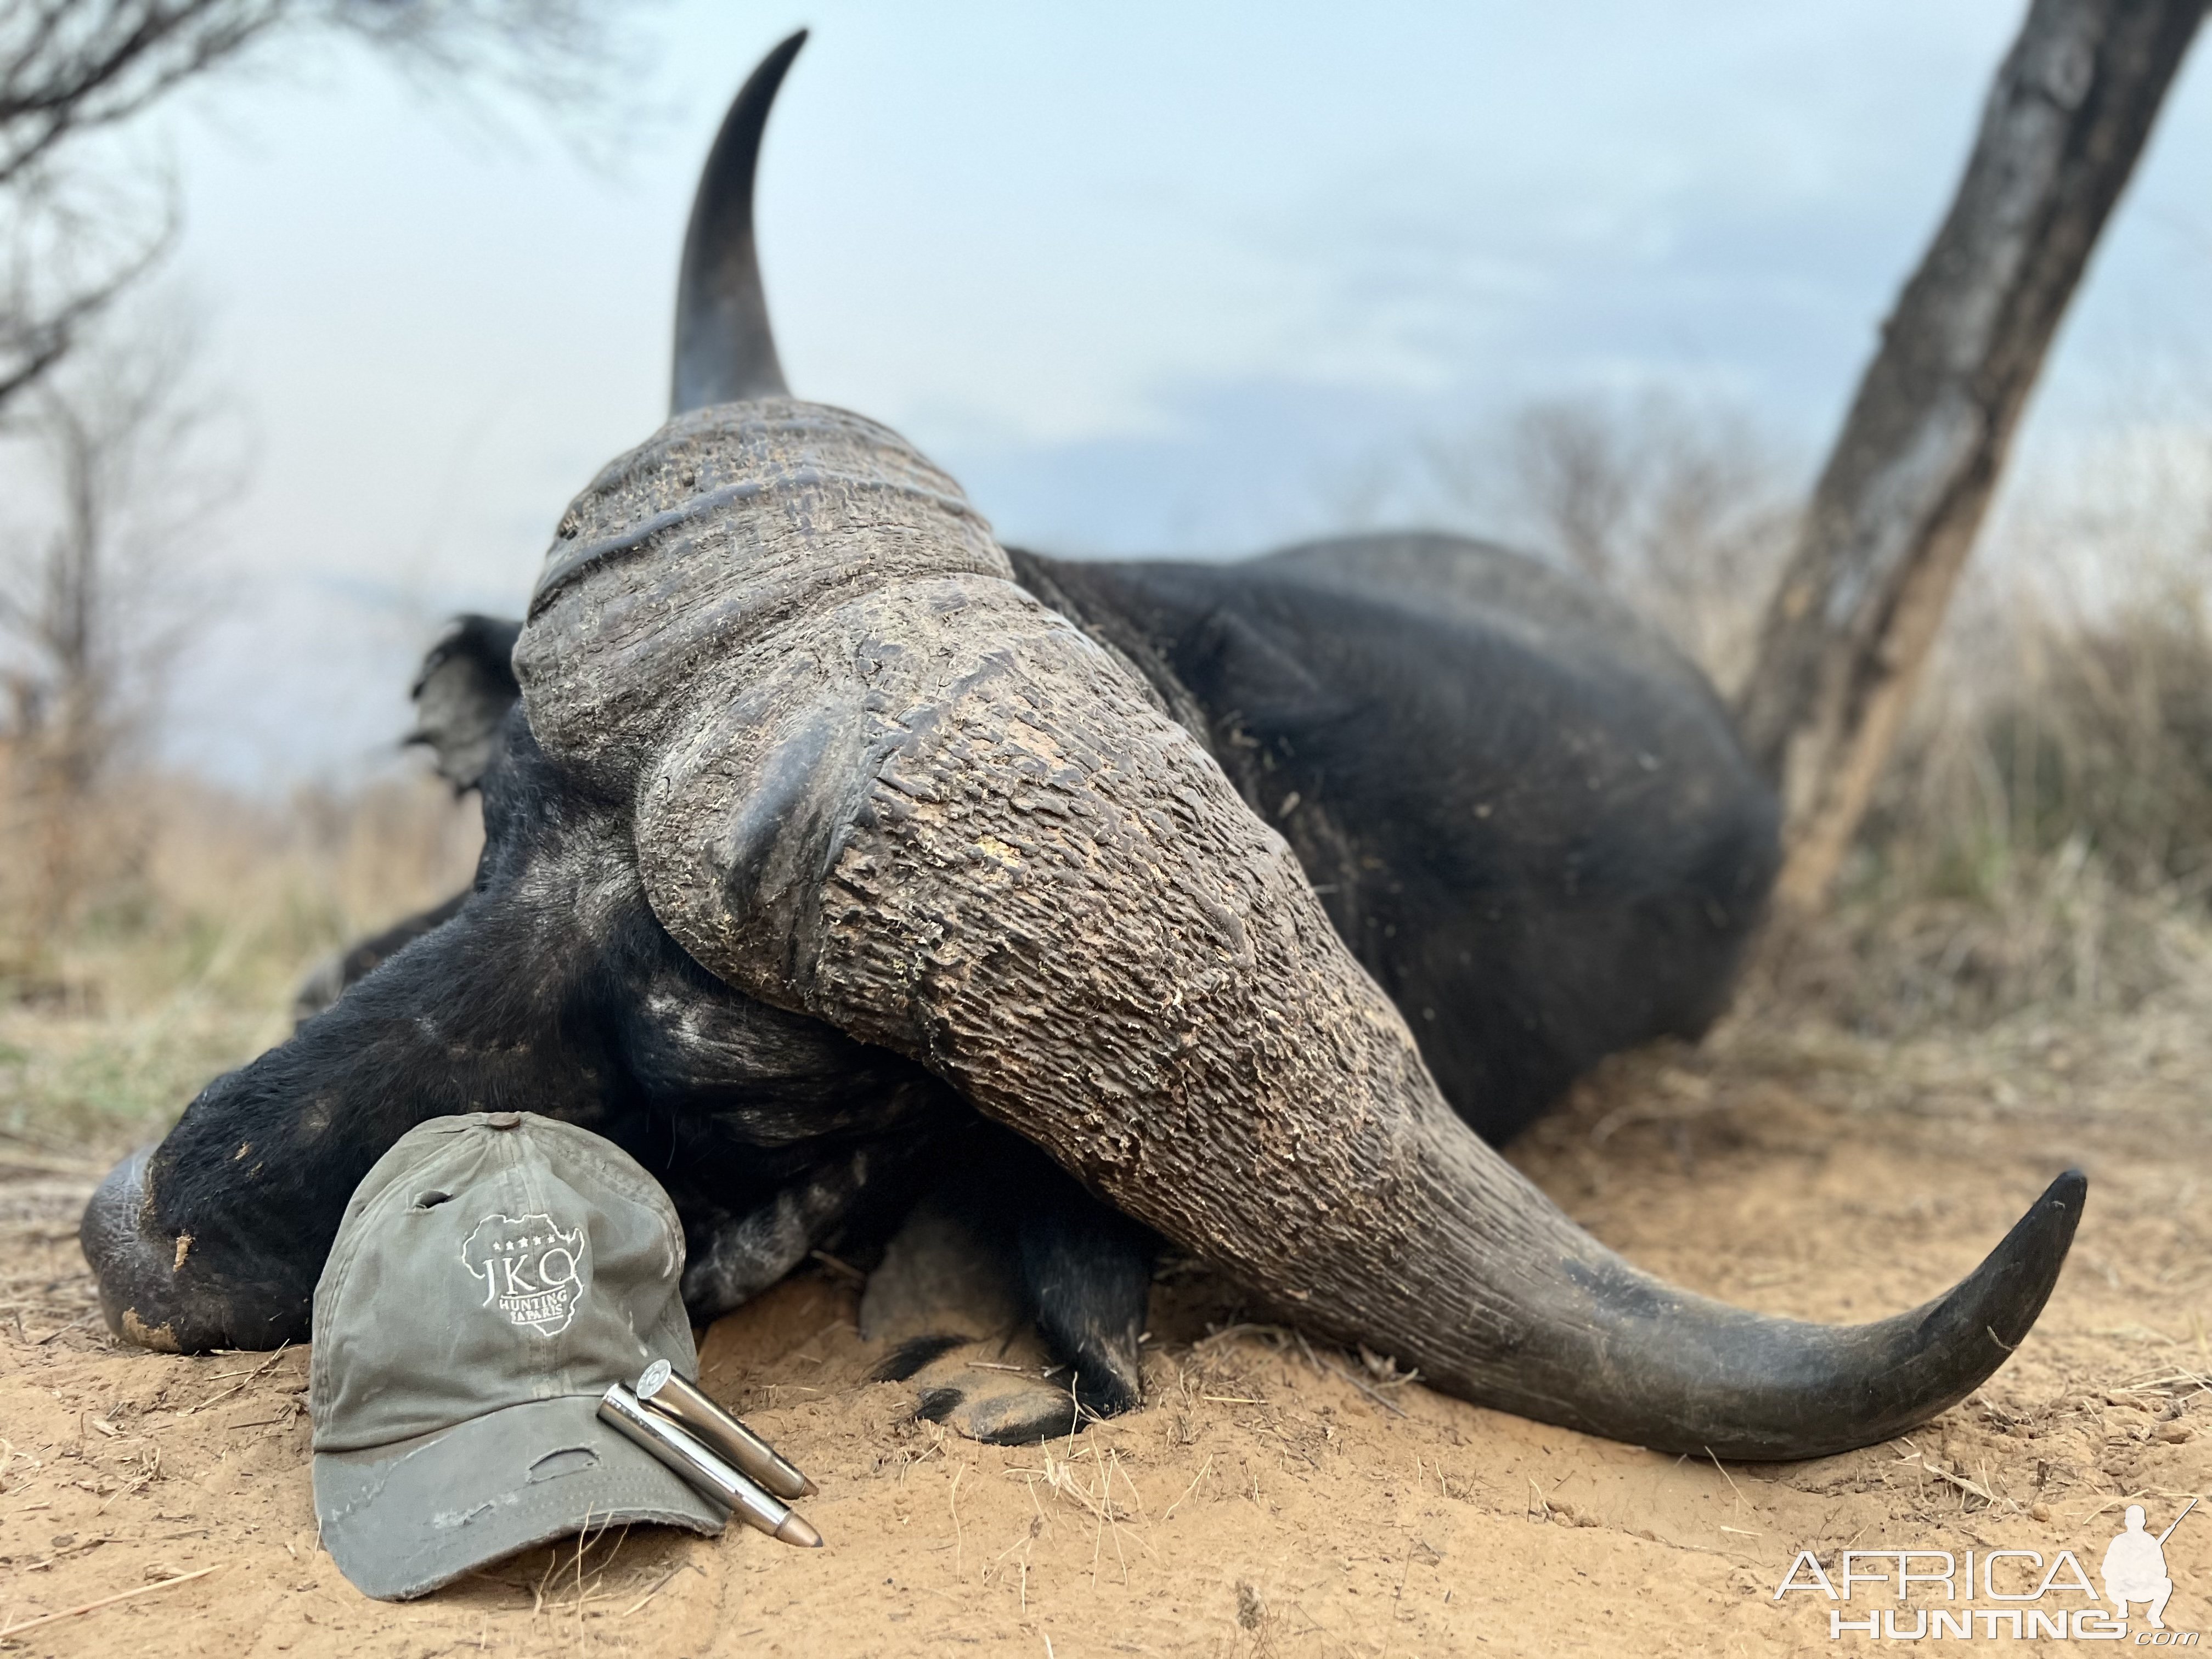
{"x":2033,"y":1252}
{"x":1873,"y":1382}
{"x":725,"y":346}
{"x":767,"y":74}
{"x":2007,"y":1291}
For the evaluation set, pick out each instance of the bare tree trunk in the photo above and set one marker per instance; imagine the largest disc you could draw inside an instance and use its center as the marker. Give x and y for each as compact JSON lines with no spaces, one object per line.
{"x":1895,"y":511}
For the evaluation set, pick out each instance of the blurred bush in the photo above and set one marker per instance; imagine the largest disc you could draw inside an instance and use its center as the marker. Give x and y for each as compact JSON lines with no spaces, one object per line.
{"x":2042,"y":840}
{"x":189,"y":915}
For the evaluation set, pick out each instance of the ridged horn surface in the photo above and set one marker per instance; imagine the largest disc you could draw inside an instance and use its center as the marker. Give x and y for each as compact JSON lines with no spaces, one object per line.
{"x":876,"y":782}
{"x":725,"y":349}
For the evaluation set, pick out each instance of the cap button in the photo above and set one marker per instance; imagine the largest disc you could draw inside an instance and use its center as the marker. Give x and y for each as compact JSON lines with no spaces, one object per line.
{"x":502,"y":1119}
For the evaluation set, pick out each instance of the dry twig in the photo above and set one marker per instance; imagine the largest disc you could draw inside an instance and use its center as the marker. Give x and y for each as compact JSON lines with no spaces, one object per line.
{"x":282,"y":1348}
{"x":106,"y":1601}
{"x":1321,"y":1364}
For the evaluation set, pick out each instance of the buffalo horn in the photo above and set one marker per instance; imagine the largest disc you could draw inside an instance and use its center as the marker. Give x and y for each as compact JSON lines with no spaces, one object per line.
{"x":876,"y":782}
{"x":725,"y":349}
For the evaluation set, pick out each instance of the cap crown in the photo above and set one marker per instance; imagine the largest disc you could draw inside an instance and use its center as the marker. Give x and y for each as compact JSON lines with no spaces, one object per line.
{"x":488,"y":1260}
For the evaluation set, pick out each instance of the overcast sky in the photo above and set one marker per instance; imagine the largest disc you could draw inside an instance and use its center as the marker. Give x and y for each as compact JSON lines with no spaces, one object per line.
{"x":1146,"y":278}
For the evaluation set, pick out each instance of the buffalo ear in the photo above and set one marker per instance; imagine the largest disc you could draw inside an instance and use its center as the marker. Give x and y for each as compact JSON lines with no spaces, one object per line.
{"x":462,"y":693}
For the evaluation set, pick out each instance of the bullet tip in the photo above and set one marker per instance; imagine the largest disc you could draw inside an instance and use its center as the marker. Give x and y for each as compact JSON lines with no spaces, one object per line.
{"x":796,"y":1530}
{"x":807,"y":1488}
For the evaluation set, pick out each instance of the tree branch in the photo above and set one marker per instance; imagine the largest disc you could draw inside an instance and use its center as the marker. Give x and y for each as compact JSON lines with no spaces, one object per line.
{"x":70,"y":67}
{"x":1904,"y":492}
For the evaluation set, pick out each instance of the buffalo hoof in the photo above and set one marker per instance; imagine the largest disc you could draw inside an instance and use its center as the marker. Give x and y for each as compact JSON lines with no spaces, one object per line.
{"x":949,"y":1306}
{"x":1001,"y":1393}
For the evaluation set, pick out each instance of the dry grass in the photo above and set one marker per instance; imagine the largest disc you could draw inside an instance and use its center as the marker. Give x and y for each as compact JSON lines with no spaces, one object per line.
{"x":150,"y":937}
{"x":2043,"y":839}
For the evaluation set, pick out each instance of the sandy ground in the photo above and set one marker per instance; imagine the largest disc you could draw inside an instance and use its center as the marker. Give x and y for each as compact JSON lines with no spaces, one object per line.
{"x":1263,"y":1502}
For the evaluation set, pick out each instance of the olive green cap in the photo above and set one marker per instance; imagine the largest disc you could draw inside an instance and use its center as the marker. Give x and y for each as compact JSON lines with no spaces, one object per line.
{"x":493,"y":1274}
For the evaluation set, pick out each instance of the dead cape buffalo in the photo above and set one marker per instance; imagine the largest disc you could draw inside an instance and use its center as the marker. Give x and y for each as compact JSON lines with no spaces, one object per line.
{"x":834,"y":856}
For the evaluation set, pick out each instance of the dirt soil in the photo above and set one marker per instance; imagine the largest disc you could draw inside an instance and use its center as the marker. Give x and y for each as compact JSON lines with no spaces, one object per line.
{"x":1269,"y":1498}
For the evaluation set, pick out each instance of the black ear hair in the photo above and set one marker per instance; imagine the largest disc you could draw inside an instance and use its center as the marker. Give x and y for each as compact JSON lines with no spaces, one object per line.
{"x":462,"y":693}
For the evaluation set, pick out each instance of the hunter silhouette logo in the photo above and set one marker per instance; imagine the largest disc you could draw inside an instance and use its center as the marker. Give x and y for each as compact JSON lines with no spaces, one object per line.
{"x":2135,"y":1567}
{"x":533,"y":1272}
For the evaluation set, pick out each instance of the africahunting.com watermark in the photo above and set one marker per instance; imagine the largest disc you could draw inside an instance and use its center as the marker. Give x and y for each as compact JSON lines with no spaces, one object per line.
{"x":1938,"y":1594}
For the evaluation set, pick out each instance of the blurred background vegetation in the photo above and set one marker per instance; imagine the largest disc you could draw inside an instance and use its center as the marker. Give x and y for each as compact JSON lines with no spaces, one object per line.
{"x":151,"y":924}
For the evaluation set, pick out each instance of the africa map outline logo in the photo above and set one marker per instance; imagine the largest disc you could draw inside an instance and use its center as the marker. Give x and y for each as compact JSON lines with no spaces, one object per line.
{"x":515,"y":1256}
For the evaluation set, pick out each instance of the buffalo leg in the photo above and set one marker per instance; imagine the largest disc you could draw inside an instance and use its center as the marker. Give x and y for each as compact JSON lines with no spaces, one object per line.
{"x":1086,"y":1273}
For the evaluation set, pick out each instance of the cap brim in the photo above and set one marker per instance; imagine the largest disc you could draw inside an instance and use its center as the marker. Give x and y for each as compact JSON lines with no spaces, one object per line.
{"x":402,"y":1520}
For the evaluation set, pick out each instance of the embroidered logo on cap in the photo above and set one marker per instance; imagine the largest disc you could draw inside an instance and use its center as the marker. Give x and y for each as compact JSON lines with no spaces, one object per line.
{"x":533,"y":1272}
